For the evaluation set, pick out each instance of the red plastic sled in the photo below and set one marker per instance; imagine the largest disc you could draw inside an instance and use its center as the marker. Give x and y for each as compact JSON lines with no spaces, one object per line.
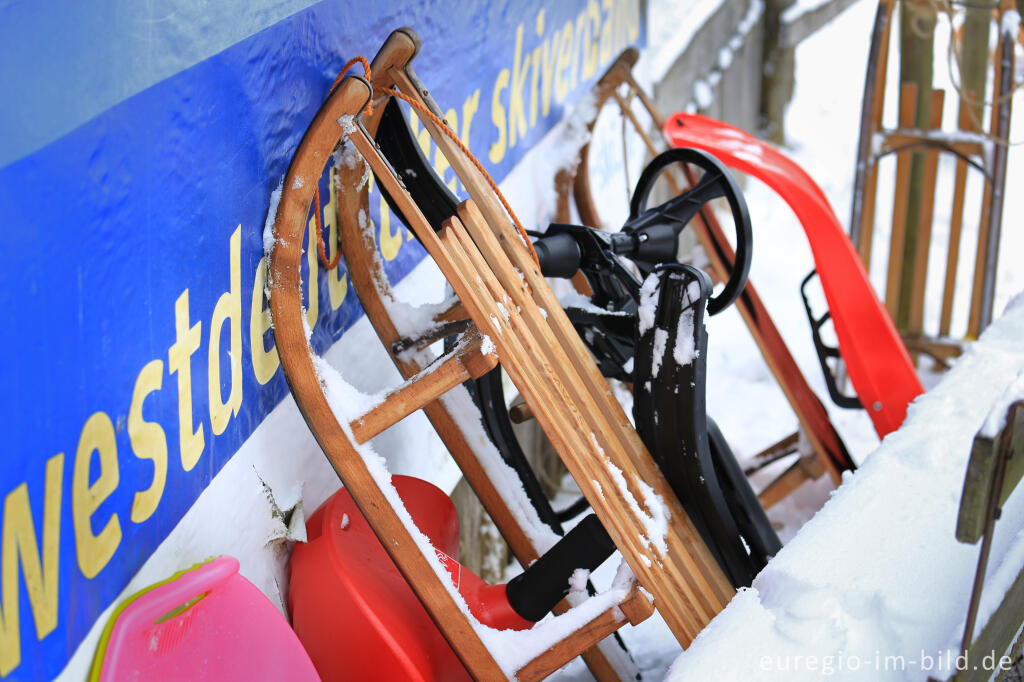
{"x":356,"y":615}
{"x":876,"y":359}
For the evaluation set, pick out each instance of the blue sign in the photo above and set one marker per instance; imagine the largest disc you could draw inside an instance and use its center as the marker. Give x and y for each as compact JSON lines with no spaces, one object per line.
{"x":137,"y":352}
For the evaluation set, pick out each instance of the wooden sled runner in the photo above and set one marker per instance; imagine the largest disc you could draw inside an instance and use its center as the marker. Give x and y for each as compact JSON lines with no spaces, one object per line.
{"x":510,"y":315}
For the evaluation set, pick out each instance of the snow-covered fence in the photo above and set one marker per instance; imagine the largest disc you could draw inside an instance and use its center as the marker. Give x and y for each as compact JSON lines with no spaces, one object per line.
{"x":874,"y":586}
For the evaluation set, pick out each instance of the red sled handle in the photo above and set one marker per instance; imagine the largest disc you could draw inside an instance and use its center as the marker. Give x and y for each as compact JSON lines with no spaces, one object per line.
{"x":876,"y":359}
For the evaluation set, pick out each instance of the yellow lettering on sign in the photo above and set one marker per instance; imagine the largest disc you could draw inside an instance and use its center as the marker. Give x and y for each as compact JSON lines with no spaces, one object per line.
{"x":264,"y":362}
{"x":497,"y":151}
{"x":588,"y":24}
{"x":547,"y":63}
{"x":535,"y":59}
{"x":148,"y":441}
{"x":390,"y":242}
{"x":179,"y":360}
{"x":39,"y":564}
{"x":94,"y":551}
{"x":228,"y":309}
{"x":516,"y":109}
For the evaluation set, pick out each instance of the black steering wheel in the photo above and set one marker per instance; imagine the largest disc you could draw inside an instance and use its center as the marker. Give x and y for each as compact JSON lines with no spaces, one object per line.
{"x":657,"y":229}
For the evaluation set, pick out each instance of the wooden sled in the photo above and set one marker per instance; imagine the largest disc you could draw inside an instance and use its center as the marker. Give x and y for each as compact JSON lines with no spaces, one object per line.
{"x":911,"y":246}
{"x":501,"y":296}
{"x":572,"y":186}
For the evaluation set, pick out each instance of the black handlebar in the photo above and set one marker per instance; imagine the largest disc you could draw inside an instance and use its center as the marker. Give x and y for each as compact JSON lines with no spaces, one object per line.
{"x":650,"y":237}
{"x":671,"y":217}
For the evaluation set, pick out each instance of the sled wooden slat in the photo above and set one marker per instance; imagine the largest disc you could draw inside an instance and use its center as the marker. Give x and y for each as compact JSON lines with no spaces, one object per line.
{"x":799,"y":472}
{"x":296,"y":359}
{"x":462,"y":364}
{"x":590,"y":634}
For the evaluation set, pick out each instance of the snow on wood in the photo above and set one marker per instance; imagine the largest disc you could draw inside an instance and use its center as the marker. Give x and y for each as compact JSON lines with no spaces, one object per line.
{"x":1010,"y":24}
{"x":655,"y":519}
{"x":268,"y":226}
{"x":347,"y":123}
{"x":877,"y":574}
{"x":996,"y":420}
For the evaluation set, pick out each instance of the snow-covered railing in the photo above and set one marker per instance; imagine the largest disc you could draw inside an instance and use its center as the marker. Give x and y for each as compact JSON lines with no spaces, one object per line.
{"x":875,"y":585}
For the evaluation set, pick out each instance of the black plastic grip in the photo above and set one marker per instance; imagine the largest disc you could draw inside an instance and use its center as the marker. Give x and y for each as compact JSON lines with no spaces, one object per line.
{"x":535,"y":592}
{"x":558,"y":254}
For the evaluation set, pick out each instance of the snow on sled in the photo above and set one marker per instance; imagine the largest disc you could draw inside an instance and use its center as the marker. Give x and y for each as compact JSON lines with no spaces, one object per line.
{"x":504,"y":311}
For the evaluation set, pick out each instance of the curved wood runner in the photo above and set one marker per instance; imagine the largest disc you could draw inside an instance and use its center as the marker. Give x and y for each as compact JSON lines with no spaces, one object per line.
{"x":483,"y":259}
